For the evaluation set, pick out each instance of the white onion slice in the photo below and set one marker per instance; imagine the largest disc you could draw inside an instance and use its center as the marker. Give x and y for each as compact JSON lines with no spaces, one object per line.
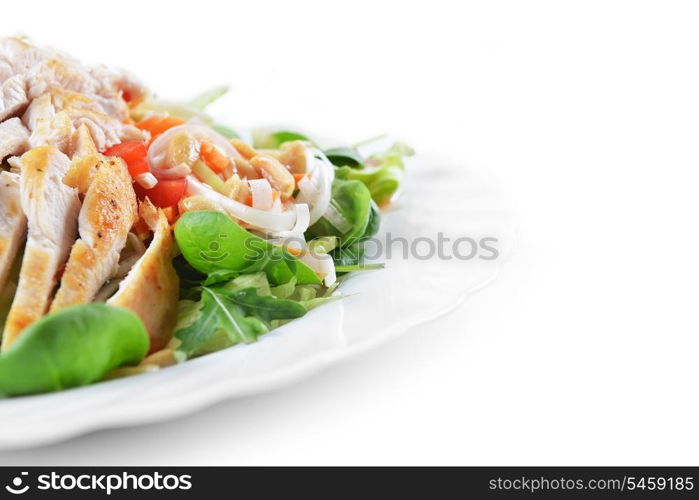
{"x":324,"y":174}
{"x":261,"y":191}
{"x":176,"y":172}
{"x":266,"y":221}
{"x":308,"y":191}
{"x":323,"y":265}
{"x":146,"y":180}
{"x":317,"y":190}
{"x":303,"y":218}
{"x":277,"y":206}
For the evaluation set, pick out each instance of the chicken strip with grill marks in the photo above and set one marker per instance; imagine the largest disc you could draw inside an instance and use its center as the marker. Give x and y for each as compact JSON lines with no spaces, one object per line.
{"x":13,"y":223}
{"x":52,"y":210}
{"x":151,"y":289}
{"x":106,"y":216}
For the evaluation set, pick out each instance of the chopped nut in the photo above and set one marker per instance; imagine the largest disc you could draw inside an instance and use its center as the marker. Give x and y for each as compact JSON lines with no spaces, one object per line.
{"x":236,"y":189}
{"x":195,"y":203}
{"x":183,"y":149}
{"x":276,"y":173}
{"x":274,"y":153}
{"x":245,"y":170}
{"x":245,"y":149}
{"x":293,"y":155}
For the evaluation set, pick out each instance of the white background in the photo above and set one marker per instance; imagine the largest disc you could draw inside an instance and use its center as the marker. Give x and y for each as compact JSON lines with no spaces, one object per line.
{"x":584,"y":351}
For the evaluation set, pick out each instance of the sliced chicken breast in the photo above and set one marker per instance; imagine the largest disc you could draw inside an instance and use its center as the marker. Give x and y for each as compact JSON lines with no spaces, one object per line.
{"x":14,"y":138}
{"x":151,"y":289}
{"x":100,"y":86}
{"x":85,"y":162}
{"x":107,"y":214}
{"x":18,"y":55}
{"x":13,"y":96}
{"x":78,"y":95}
{"x":52,"y":210}
{"x":48,"y":127}
{"x":53,"y":117}
{"x":13,"y":223}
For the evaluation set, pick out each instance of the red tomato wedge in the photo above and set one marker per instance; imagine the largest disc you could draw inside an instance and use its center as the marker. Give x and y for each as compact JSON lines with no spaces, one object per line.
{"x":129,"y":151}
{"x":138,"y":167}
{"x":166,"y":193}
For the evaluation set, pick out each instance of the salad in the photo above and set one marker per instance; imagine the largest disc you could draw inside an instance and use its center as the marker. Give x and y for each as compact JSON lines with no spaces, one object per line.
{"x":137,"y":233}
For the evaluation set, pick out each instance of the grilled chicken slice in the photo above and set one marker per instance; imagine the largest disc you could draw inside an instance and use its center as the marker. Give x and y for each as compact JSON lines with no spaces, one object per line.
{"x":54,"y":116}
{"x":14,"y":138}
{"x":107,"y":214}
{"x":13,"y":96}
{"x":86,"y":160}
{"x":52,"y":210}
{"x":151,"y":288}
{"x":100,"y":85}
{"x":13,"y":223}
{"x":18,"y":55}
{"x":77,"y":94}
{"x":48,"y":127}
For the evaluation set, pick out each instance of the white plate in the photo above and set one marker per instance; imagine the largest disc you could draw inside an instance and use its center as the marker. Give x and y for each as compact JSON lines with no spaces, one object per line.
{"x":381,"y":305}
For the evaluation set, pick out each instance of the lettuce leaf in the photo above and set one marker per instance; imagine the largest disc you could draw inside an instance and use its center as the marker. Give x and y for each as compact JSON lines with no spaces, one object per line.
{"x":383,"y":174}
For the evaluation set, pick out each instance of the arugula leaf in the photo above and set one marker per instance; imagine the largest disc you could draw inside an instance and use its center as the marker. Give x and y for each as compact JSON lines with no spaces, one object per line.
{"x":219,"y":276}
{"x":265,"y":307}
{"x":341,"y":157}
{"x":231,"y":314}
{"x":258,"y":281}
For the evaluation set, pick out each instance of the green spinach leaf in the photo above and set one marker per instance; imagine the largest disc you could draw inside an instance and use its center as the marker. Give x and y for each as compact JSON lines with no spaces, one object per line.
{"x":70,"y":348}
{"x":350,"y":255}
{"x":352,"y":201}
{"x":341,"y":157}
{"x":215,"y":245}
